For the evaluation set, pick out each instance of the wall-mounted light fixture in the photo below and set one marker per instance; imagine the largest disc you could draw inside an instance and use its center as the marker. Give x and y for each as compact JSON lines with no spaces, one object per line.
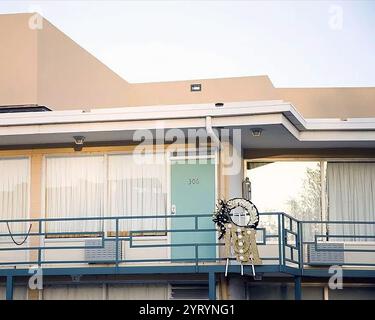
{"x":195,"y":87}
{"x":78,"y":142}
{"x":256,"y":132}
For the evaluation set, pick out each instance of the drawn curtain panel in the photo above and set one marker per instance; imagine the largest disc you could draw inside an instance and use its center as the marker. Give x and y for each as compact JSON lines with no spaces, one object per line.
{"x":75,"y":189}
{"x":14,"y":193}
{"x":351,"y":195}
{"x":137,"y":189}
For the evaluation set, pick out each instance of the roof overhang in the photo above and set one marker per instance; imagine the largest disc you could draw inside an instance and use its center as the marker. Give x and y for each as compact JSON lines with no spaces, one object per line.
{"x":282,"y":125}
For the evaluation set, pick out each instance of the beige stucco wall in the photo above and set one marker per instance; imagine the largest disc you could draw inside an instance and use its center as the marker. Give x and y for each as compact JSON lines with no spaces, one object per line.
{"x":310,"y":102}
{"x":69,"y":77}
{"x":331,"y":102}
{"x":46,"y":67}
{"x":18,"y":61}
{"x":213,"y":90}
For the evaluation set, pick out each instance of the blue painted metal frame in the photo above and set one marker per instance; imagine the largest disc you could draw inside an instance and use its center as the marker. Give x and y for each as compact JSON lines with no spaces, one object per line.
{"x":212,"y":286}
{"x":9,"y":287}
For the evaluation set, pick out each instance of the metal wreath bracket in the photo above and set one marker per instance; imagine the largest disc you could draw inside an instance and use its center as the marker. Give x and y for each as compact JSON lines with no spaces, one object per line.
{"x":236,"y":221}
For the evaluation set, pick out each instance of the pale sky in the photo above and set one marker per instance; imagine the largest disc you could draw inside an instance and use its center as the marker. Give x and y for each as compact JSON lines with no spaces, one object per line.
{"x":304,"y":43}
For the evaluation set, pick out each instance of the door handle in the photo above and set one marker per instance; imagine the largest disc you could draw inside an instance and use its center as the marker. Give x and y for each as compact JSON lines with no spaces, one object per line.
{"x":173,"y":209}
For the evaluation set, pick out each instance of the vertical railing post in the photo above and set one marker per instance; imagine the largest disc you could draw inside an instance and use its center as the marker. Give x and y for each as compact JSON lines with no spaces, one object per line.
{"x":280,"y":238}
{"x":196,"y":257}
{"x":283,"y":238}
{"x":196,"y":246}
{"x":117,"y":244}
{"x":297,"y":288}
{"x":40,"y":243}
{"x":300,"y":246}
{"x":291,"y":229}
{"x":9,"y":288}
{"x":212,"y":286}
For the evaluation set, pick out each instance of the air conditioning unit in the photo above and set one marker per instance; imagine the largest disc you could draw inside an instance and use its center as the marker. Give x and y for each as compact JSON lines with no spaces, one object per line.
{"x":99,"y":253}
{"x":323,"y":254}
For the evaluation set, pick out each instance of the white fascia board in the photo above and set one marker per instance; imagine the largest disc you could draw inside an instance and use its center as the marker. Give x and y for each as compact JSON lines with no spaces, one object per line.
{"x":339,"y":124}
{"x":322,"y":124}
{"x":337,"y":135}
{"x":144,"y":113}
{"x":252,"y":120}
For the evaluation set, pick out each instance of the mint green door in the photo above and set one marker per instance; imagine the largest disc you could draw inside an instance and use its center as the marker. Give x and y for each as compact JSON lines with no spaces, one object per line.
{"x":192,"y":192}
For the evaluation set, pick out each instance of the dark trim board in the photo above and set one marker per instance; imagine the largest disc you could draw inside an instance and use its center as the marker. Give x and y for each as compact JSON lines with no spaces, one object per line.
{"x":309,"y":153}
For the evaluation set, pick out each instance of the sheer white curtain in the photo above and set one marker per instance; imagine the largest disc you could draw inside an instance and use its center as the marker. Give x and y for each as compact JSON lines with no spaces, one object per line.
{"x":75,"y":188}
{"x":137,"y":189}
{"x":351,"y":196}
{"x":14,"y":193}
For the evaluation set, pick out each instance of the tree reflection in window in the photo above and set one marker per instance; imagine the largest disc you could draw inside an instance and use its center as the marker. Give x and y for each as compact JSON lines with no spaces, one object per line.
{"x":293,"y":187}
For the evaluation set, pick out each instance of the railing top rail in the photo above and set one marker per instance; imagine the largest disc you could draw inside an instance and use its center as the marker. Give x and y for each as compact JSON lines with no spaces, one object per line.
{"x":180,"y":216}
{"x":291,"y":249}
{"x":336,"y":222}
{"x":129,"y":217}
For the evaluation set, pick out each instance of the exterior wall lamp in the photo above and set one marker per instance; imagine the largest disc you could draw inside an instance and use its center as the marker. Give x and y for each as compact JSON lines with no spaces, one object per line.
{"x":256,"y":132}
{"x":78,"y":142}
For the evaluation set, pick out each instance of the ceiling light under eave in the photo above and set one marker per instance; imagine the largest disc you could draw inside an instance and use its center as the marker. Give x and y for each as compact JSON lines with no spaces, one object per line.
{"x":79,"y":140}
{"x":256,"y":132}
{"x":78,"y":143}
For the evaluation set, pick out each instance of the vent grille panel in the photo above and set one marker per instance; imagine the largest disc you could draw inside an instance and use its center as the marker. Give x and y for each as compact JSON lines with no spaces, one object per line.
{"x":105,"y":254}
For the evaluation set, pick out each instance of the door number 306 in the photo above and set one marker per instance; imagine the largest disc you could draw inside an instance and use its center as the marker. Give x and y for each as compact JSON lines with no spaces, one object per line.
{"x":193,"y":181}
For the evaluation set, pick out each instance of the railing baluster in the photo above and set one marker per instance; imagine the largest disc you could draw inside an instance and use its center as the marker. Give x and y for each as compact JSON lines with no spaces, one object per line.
{"x":117,"y":244}
{"x":283,"y":237}
{"x":40,"y":240}
{"x":300,"y":246}
{"x":280,"y":237}
{"x":196,"y":257}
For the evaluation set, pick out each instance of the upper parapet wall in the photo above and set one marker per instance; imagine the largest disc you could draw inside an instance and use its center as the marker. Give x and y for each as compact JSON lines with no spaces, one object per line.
{"x":331,"y":102}
{"x":18,"y":61}
{"x":43,"y":66}
{"x":213,"y":90}
{"x":310,"y":102}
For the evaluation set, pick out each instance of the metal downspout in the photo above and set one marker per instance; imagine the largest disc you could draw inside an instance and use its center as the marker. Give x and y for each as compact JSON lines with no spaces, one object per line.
{"x":210,"y":132}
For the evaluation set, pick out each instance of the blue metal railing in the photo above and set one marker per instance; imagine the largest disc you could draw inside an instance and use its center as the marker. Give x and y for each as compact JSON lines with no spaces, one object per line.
{"x":282,"y":235}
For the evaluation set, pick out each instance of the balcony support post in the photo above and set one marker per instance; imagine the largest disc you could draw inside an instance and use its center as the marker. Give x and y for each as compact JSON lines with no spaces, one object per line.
{"x":212,"y":286}
{"x":297,"y":288}
{"x":9,"y":288}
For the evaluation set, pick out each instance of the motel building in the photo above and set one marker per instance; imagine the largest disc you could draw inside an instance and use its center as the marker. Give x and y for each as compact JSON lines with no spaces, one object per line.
{"x":108,"y":188}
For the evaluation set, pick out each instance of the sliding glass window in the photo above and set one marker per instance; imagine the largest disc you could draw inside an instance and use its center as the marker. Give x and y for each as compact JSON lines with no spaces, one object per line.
{"x":112,"y":185}
{"x":316,"y":191}
{"x":293,"y":187}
